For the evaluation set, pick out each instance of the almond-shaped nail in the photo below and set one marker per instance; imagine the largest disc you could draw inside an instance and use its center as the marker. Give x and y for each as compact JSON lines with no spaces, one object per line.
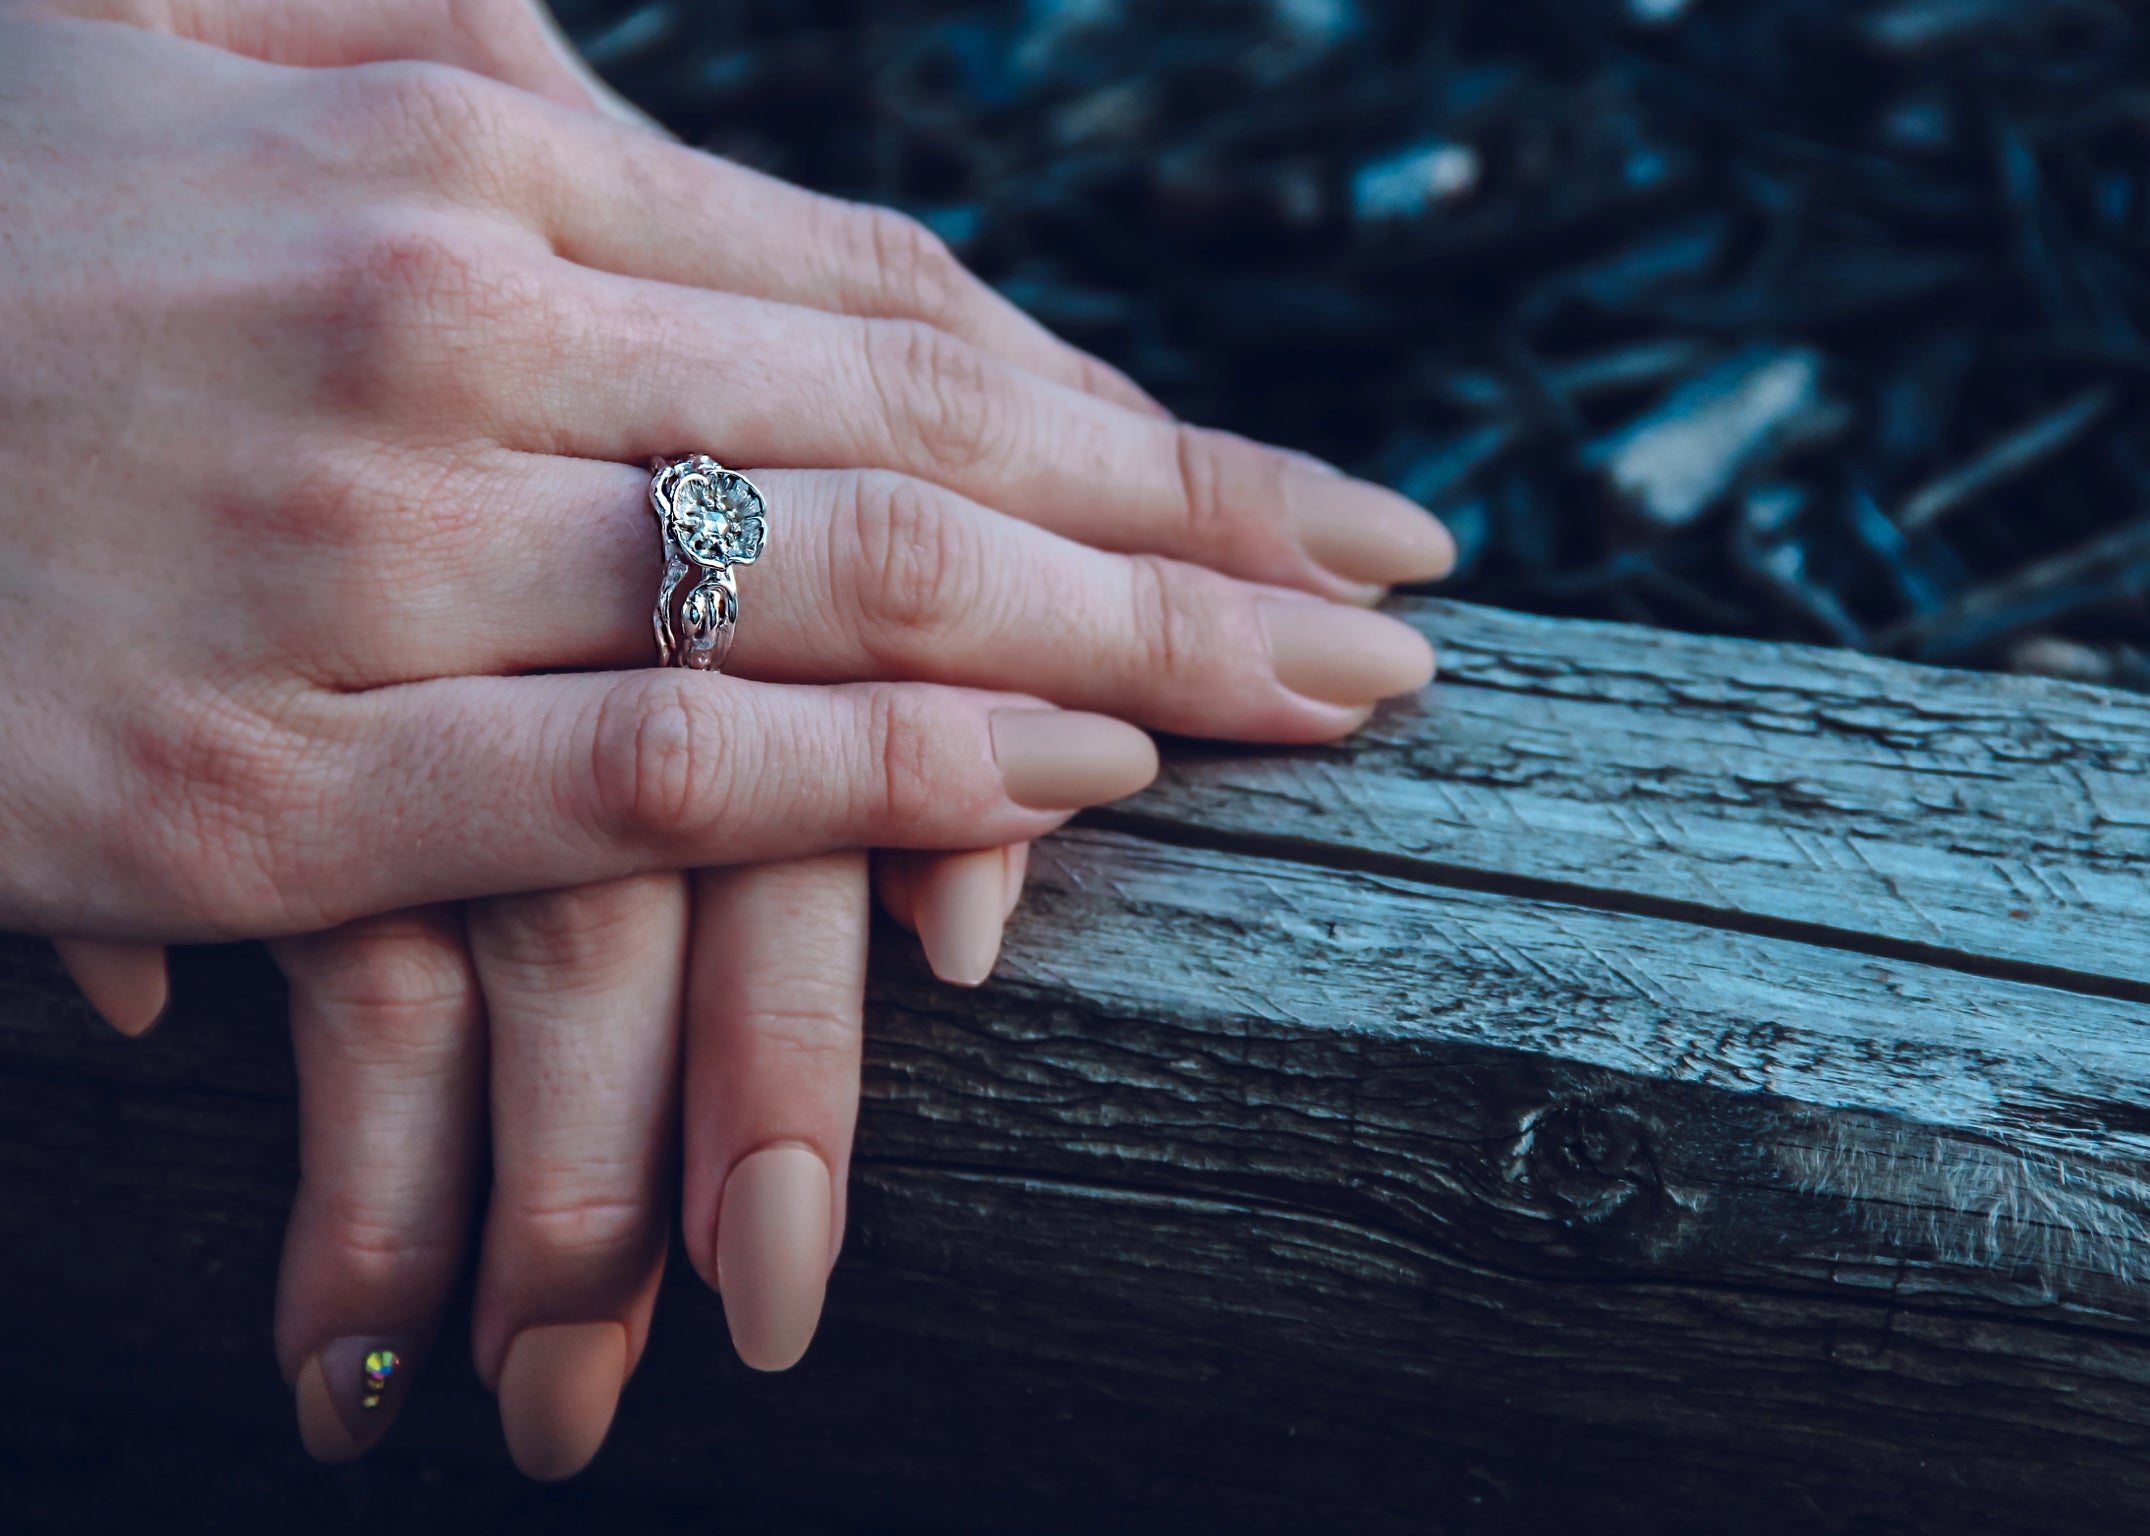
{"x":348,"y":1393}
{"x":129,"y":984}
{"x":1344,"y":655}
{"x":559,"y":1387}
{"x":773,"y":1253}
{"x":1064,"y":760}
{"x":1363,"y":532}
{"x":959,"y":902}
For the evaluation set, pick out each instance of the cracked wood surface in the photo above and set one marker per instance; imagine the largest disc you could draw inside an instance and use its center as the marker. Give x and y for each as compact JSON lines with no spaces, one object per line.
{"x":1676,"y":1083}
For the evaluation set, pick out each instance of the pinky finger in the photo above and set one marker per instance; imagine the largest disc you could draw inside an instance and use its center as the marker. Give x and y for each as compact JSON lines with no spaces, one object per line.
{"x":127,"y":983}
{"x":957,"y":903}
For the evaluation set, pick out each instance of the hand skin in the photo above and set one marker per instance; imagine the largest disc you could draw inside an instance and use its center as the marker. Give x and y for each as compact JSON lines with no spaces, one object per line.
{"x":291,"y":605}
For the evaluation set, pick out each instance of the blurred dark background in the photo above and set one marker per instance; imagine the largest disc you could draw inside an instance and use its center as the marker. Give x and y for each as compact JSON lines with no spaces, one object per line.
{"x":1807,"y":319}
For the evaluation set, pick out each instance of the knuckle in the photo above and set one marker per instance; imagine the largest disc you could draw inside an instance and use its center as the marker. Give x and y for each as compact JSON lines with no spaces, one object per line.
{"x":940,"y":391}
{"x":1162,"y":624}
{"x":231,"y":791}
{"x":401,"y":977}
{"x":917,"y":567}
{"x":654,"y":761}
{"x":904,"y":734}
{"x":446,"y":127}
{"x":1204,"y":491}
{"x":580,"y":932}
{"x":910,"y":272}
{"x":407,"y":309}
{"x":564,"y":1221}
{"x":383,"y":1244}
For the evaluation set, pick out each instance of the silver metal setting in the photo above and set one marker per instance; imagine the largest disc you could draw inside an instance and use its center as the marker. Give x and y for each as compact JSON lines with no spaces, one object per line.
{"x":712,"y":521}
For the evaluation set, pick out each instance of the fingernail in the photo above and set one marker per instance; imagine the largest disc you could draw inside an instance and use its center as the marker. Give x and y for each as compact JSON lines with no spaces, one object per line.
{"x":959,"y":904}
{"x":1344,"y":655}
{"x":773,"y":1253}
{"x":1063,"y":760}
{"x":129,"y":984}
{"x":1016,"y":867}
{"x":559,"y":1388}
{"x":1362,"y":532}
{"x":348,"y":1394}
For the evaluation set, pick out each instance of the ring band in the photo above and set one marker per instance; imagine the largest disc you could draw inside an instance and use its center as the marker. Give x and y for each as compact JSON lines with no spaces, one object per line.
{"x":711,"y":520}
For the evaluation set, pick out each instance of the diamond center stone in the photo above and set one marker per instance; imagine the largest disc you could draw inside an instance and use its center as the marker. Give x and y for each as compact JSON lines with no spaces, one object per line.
{"x":718,"y":519}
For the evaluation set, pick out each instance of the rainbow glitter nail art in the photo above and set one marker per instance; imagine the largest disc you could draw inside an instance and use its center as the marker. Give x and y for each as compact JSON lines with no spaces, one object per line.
{"x":380,"y":1369}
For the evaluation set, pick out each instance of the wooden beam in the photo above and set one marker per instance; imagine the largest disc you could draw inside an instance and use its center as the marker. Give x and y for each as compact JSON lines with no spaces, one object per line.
{"x":1673,"y":1082}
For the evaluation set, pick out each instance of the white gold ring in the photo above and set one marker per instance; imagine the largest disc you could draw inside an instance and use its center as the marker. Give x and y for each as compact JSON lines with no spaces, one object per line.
{"x":711,"y":519}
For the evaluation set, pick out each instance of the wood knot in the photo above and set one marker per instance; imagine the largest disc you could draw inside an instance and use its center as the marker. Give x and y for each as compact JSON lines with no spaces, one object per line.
{"x":1590,"y":1161}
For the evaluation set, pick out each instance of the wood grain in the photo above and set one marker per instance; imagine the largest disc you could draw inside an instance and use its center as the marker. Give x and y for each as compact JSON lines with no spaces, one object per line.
{"x":1619,"y":1088}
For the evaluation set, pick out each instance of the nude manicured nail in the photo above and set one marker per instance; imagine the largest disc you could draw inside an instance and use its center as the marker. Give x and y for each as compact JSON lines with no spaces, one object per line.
{"x":773,"y":1253}
{"x":1344,"y":655}
{"x":348,"y":1394}
{"x":129,"y":984}
{"x":559,"y":1388}
{"x":960,"y":905}
{"x":1364,"y":533}
{"x":1063,"y":760}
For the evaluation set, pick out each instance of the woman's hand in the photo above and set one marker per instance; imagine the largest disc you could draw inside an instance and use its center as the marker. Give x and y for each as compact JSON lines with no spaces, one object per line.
{"x":533,"y":942}
{"x":329,"y":432}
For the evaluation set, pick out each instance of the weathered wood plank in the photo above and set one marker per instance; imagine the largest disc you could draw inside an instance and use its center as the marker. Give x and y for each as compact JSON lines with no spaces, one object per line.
{"x":2004,"y":819}
{"x":1337,"y":1149}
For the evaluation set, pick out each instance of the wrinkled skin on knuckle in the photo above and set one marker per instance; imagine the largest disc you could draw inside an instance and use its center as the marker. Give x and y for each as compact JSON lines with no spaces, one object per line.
{"x":658,"y":768}
{"x":916,"y":784}
{"x":919,"y":568}
{"x":573,"y":1214}
{"x":236,"y":808}
{"x":576,"y":940}
{"x":399,"y":988}
{"x":1232,"y":495}
{"x":432,"y":126}
{"x":820,"y":1046}
{"x":941,"y":393}
{"x":1164,"y":631}
{"x":418,"y":321}
{"x":899,"y":269}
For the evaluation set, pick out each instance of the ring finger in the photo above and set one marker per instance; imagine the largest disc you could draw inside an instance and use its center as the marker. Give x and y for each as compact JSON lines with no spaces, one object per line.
{"x":871,"y":576}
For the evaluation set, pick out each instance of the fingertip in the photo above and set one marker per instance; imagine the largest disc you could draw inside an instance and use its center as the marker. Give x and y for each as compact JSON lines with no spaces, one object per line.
{"x":347,"y":1394}
{"x":559,"y":1389}
{"x":961,"y":908}
{"x":772,"y":1246}
{"x":1065,"y":760}
{"x":128,"y":984}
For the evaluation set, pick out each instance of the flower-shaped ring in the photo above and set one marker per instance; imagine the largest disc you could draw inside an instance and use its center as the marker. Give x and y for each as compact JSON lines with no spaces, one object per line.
{"x":711,"y":519}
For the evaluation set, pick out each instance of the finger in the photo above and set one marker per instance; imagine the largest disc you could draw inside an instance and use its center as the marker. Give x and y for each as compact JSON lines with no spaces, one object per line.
{"x":464,"y":786}
{"x":513,"y":41}
{"x":390,"y":1046}
{"x":775,"y":1000}
{"x":957,"y":903}
{"x":129,"y":984}
{"x":775,"y":385}
{"x":627,"y":204}
{"x":471,"y":334}
{"x":583,"y":991}
{"x":875,"y":576}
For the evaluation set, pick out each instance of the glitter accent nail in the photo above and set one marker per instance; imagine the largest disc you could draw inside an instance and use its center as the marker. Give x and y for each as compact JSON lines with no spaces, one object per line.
{"x":366,"y":1380}
{"x":380,"y":1366}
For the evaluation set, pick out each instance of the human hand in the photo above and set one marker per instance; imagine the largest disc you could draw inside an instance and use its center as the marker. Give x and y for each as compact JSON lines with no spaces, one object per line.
{"x":1300,"y":729}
